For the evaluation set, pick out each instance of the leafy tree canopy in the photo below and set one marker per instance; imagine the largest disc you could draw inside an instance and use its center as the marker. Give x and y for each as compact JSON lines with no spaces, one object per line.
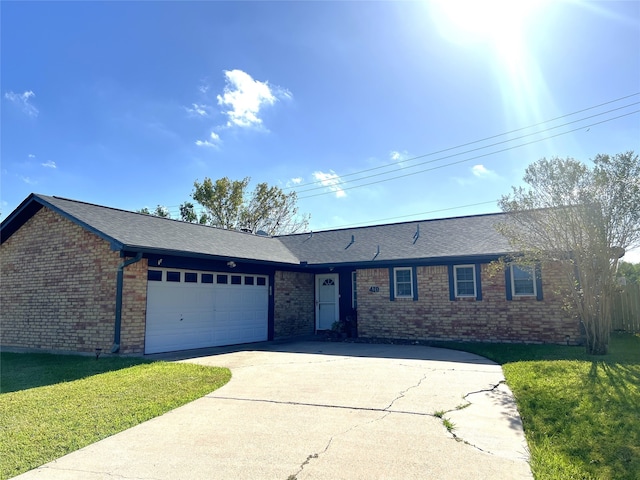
{"x":630,"y":271}
{"x":160,"y":211}
{"x":229,"y":204}
{"x":584,"y":218}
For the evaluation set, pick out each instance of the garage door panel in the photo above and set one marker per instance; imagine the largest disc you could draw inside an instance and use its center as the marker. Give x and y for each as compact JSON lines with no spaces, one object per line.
{"x":183,"y":315}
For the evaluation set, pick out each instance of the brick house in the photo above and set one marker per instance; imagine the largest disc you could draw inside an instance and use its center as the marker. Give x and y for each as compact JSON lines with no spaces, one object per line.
{"x":77,"y":276}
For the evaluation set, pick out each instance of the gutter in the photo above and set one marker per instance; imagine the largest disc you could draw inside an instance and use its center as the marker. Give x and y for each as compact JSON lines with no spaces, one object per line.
{"x":119,"y":284}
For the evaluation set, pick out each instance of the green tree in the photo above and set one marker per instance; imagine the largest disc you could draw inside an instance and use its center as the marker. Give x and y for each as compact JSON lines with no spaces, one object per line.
{"x":160,"y":211}
{"x":270,"y":210}
{"x":229,"y":205}
{"x":222,"y":200}
{"x":630,"y":271}
{"x":583,"y":218}
{"x":188,"y":214}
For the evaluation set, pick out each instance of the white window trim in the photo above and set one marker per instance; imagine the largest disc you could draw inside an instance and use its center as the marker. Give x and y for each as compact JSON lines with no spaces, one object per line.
{"x":455,"y":281}
{"x":513,"y":282}
{"x":395,"y":282}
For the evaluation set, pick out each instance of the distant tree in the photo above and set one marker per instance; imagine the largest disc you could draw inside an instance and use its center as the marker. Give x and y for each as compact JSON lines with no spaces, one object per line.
{"x":584,"y":219}
{"x":188,"y":214}
{"x":630,"y":271}
{"x":160,"y":211}
{"x":270,"y":210}
{"x":228,"y":205}
{"x":221,"y":199}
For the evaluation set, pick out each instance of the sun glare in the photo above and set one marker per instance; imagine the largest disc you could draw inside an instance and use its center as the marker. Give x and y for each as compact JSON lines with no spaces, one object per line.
{"x":499,"y":24}
{"x":504,"y":33}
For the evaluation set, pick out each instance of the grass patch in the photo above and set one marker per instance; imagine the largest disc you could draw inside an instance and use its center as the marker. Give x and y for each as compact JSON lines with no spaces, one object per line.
{"x":52,"y":405}
{"x":581,"y":414}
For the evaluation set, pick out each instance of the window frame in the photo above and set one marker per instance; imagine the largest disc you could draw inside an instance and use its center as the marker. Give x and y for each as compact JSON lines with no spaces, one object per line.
{"x":395,"y":282}
{"x":473,"y":280}
{"x":532,"y":272}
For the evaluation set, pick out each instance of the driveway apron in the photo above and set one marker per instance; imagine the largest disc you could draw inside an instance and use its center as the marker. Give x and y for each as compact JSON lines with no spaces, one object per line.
{"x":322,"y":410}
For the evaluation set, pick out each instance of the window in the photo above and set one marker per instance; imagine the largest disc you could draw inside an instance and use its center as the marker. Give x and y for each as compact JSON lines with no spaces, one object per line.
{"x":403,"y":282}
{"x":207,"y":278}
{"x":523,"y":281}
{"x":261,"y":281}
{"x":173,"y":276}
{"x":248,"y":280}
{"x":236,"y":280}
{"x":465,"y":280}
{"x":190,"y":277}
{"x":154,"y":275}
{"x":354,"y":292}
{"x":222,"y":279}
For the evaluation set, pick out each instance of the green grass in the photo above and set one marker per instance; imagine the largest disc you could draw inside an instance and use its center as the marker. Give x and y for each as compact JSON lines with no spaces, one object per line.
{"x":52,"y":405}
{"x":581,"y":414}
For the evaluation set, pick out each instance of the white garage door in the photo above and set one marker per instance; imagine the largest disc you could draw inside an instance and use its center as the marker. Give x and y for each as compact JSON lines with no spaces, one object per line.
{"x":204,"y":309}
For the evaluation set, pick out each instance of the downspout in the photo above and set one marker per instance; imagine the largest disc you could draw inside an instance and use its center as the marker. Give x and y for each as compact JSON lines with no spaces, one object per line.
{"x":119,"y":283}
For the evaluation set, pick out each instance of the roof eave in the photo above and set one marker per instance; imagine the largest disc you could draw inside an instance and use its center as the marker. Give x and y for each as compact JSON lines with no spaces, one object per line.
{"x":458,"y":259}
{"x":204,"y":256}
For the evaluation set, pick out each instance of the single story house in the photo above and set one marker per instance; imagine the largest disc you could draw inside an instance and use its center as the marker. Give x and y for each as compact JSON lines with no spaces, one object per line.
{"x":80,"y":277}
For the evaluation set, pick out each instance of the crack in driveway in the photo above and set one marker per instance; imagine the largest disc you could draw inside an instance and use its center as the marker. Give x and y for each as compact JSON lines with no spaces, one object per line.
{"x":385,"y":410}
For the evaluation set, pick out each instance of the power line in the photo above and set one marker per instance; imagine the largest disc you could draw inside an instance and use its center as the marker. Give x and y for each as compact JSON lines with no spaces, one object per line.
{"x":372,"y":222}
{"x":474,"y":149}
{"x":394,"y":164}
{"x":174,"y":209}
{"x":467,"y":159}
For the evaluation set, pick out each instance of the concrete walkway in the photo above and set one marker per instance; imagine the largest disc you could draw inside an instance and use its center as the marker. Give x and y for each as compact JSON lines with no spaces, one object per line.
{"x":314,"y":410}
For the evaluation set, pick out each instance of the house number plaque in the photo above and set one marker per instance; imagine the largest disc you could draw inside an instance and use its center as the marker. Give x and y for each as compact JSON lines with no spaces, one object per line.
{"x":374,"y":289}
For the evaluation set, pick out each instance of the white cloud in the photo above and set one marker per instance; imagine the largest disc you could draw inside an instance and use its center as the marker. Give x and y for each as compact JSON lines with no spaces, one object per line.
{"x":397,"y":156}
{"x":198,"y":110}
{"x":296,"y":181}
{"x":31,"y":155}
{"x":28,"y":180}
{"x":246,"y":97}
{"x":49,"y":164}
{"x":481,"y":171}
{"x":22,"y":101}
{"x":213,"y":142}
{"x":331,"y":180}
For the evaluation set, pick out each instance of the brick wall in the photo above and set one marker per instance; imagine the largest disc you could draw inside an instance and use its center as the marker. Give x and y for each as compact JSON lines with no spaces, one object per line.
{"x":59,"y":288}
{"x":134,"y":307}
{"x":294,"y":308}
{"x":434,"y":317}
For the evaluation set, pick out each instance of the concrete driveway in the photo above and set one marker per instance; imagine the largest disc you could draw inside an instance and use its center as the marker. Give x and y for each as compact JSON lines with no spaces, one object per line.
{"x":315,"y":410}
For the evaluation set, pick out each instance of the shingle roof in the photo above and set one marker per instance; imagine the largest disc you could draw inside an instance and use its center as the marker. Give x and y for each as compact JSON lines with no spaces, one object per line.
{"x":473,"y":236}
{"x":429,"y":239}
{"x":136,"y":231}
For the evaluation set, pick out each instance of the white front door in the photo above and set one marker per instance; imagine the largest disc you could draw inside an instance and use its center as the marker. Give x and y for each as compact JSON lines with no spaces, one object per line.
{"x":327,"y":301}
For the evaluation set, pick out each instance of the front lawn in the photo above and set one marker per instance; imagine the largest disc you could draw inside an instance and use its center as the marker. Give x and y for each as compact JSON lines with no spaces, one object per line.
{"x":581,"y":414}
{"x":55,"y":404}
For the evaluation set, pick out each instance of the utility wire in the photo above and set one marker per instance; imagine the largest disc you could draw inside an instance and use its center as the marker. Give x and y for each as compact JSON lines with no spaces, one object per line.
{"x":467,"y":159}
{"x":175,"y":208}
{"x":378,"y":221}
{"x":471,"y":150}
{"x":394,"y":164}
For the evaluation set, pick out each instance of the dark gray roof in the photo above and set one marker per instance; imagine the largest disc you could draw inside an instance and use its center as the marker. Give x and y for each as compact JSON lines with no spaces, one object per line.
{"x":429,"y":239}
{"x":136,"y":231}
{"x":432,"y":240}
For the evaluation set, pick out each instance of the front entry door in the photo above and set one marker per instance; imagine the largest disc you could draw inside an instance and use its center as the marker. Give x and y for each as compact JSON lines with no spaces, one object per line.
{"x":327,"y":304}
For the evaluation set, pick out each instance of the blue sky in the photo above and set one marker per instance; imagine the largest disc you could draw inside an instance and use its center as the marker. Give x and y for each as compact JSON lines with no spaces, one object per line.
{"x":127,"y":103}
